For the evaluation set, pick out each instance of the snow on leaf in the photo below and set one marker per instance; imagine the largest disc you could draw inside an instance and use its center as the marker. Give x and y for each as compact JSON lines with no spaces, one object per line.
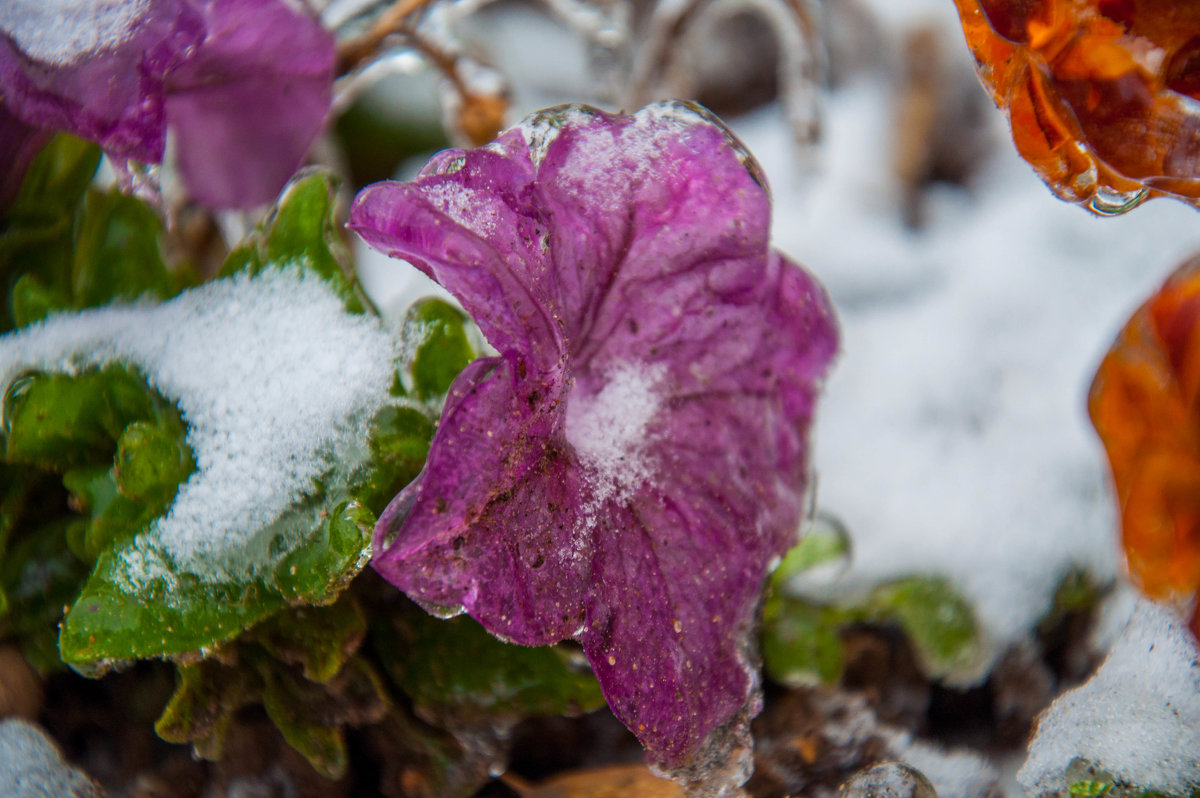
{"x":628,"y":465}
{"x":244,"y":85}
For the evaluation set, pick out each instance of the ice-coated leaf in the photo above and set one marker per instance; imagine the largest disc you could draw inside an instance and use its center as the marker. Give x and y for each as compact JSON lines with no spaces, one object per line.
{"x":60,"y":421}
{"x":937,"y":619}
{"x":626,"y":468}
{"x":300,"y":230}
{"x":36,"y":231}
{"x":441,"y":349}
{"x":456,"y":665}
{"x":117,"y":252}
{"x":800,"y":643}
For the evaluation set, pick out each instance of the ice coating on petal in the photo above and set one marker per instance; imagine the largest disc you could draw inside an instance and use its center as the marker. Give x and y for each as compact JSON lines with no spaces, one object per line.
{"x":625,"y":470}
{"x":113,"y":96}
{"x":244,"y":84}
{"x":259,"y":87}
{"x":62,"y":31}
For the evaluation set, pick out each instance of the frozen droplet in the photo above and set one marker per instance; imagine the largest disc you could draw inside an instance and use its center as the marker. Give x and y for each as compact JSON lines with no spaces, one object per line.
{"x":888,"y":780}
{"x":1113,"y":203}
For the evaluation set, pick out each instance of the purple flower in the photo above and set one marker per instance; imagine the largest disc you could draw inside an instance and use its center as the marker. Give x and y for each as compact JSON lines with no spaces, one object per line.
{"x":244,"y":85}
{"x":625,"y":470}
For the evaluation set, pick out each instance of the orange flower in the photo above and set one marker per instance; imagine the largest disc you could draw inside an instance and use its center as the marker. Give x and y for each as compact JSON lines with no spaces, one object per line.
{"x":1145,"y":403}
{"x":1103,"y":95}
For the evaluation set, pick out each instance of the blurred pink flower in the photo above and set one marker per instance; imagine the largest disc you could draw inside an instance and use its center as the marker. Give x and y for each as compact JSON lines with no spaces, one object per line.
{"x":243,"y":85}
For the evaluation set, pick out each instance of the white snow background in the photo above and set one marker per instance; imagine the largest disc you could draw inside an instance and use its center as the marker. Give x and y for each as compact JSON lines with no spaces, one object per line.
{"x":953,"y":437}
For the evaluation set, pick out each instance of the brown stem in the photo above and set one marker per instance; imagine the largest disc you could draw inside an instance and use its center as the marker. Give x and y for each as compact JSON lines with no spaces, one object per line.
{"x":395,"y":20}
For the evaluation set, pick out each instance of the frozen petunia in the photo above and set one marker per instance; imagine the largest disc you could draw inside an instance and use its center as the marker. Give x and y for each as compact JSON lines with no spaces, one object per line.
{"x":243,"y":85}
{"x":627,"y":467}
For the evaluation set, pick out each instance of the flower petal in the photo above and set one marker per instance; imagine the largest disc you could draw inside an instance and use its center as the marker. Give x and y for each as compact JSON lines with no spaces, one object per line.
{"x":248,"y":103}
{"x":474,"y":223}
{"x":449,"y":541}
{"x":98,"y":74}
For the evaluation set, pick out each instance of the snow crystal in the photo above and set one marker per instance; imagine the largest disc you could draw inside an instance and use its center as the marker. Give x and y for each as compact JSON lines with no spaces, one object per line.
{"x":31,"y":766}
{"x":275,"y":381}
{"x":62,"y":31}
{"x":607,"y":429}
{"x":1138,"y":718}
{"x":469,"y":207}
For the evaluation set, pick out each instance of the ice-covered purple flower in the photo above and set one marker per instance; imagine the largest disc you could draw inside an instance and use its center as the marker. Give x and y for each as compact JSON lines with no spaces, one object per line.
{"x":627,"y":467}
{"x":244,"y":85}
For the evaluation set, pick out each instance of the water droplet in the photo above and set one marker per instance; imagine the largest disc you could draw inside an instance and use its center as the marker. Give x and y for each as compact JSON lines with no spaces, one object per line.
{"x":678,"y":627}
{"x":888,"y":780}
{"x":1112,"y":203}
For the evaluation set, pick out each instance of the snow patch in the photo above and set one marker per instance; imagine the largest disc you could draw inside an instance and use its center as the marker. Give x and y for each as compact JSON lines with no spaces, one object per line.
{"x":607,"y":429}
{"x":1137,"y":719}
{"x":63,"y":31}
{"x":952,"y":438}
{"x":31,"y":766}
{"x":274,"y":379}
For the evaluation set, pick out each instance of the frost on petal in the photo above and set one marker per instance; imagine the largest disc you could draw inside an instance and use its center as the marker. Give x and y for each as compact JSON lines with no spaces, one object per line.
{"x":97,"y":71}
{"x":246,"y":106}
{"x":627,"y":467}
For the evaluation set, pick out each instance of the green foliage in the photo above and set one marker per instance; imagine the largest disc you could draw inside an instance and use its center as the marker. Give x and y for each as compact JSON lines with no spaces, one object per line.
{"x":301,"y":231}
{"x":92,"y":458}
{"x":65,"y":246}
{"x":440,"y":347}
{"x":36,"y":231}
{"x":301,"y":667}
{"x":801,"y":638}
{"x":1084,"y":779}
{"x":938,"y":621}
{"x":455,"y":665}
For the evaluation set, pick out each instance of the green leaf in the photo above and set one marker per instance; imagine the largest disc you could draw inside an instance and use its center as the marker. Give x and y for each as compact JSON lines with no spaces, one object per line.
{"x":206,"y":697}
{"x":456,"y":664}
{"x":39,"y":574}
{"x":121,"y":616}
{"x":399,"y":444}
{"x":435,"y":333}
{"x":301,"y":231}
{"x":114,"y":621}
{"x":36,"y":232}
{"x":825,"y":543}
{"x":312,"y":717}
{"x":153,"y":459}
{"x":937,"y":619}
{"x":117,"y":252}
{"x":65,"y":421}
{"x":801,"y":645}
{"x":32,"y":301}
{"x":319,"y":640}
{"x":1089,"y":789}
{"x":335,"y":550}
{"x":57,"y":178}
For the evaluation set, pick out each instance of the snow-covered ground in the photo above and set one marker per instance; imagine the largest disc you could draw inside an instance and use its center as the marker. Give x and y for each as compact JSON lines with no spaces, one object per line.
{"x":953,"y":437}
